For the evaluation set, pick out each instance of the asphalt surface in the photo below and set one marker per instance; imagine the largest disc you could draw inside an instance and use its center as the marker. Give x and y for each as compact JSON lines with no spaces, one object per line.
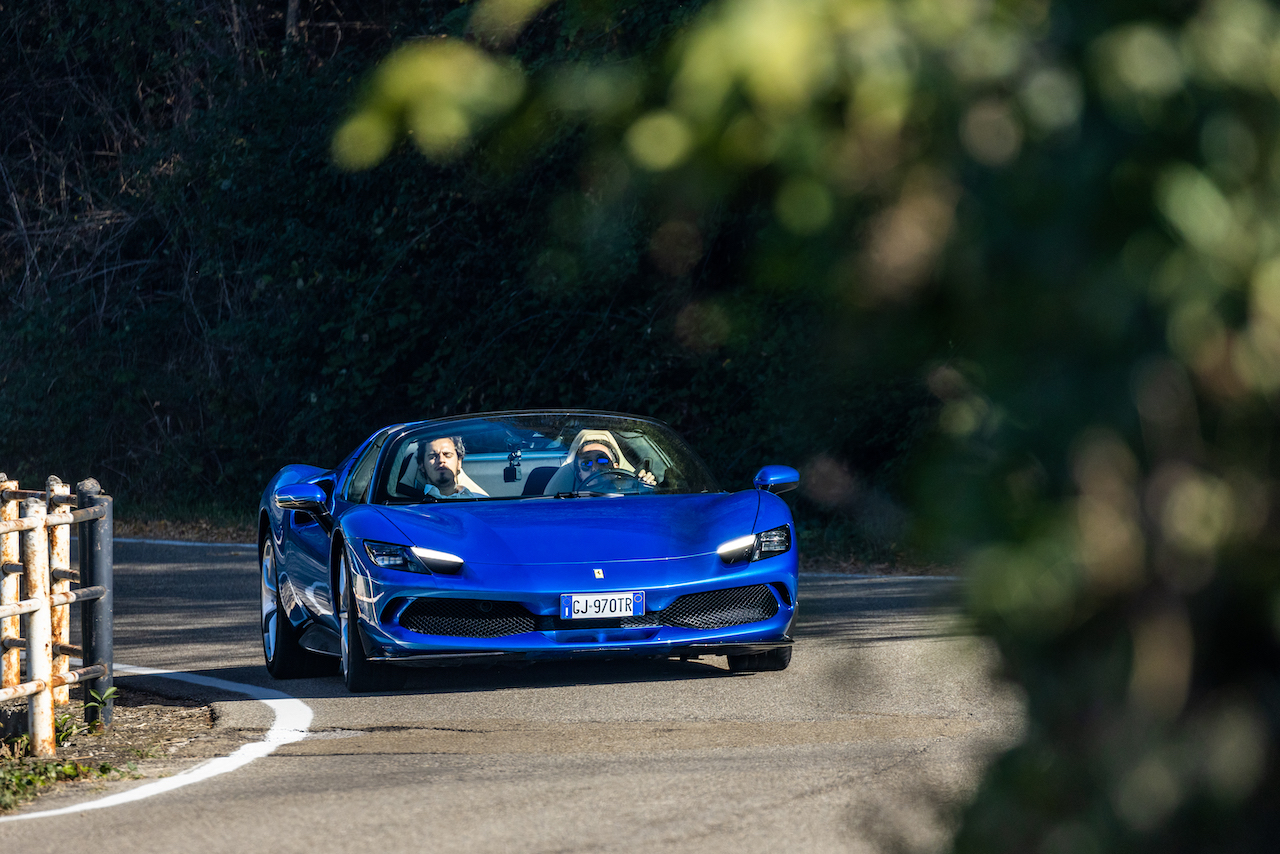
{"x":870,"y":741}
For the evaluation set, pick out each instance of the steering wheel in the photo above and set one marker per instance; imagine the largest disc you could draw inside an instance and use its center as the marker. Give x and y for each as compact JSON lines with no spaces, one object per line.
{"x":621,"y":479}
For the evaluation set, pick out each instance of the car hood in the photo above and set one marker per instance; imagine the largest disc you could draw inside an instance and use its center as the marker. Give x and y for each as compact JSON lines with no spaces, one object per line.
{"x":578,"y":530}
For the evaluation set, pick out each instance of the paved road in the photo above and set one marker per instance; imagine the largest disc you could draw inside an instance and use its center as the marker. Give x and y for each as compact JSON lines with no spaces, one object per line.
{"x":866,"y":743}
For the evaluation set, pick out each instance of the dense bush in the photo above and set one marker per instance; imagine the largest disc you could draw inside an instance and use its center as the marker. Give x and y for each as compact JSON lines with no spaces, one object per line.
{"x":195,"y":295}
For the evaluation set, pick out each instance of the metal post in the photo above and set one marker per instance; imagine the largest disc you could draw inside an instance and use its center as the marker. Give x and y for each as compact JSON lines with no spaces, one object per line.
{"x":10,"y":591}
{"x":59,"y":582}
{"x":35,"y":561}
{"x":96,"y":559}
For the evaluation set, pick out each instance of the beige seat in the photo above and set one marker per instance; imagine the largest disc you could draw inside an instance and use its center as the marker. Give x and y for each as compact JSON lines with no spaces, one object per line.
{"x":563,"y":479}
{"x":406,"y":482}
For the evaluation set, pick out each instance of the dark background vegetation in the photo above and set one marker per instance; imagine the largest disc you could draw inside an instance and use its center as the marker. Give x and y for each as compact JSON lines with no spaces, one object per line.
{"x":194,"y":296}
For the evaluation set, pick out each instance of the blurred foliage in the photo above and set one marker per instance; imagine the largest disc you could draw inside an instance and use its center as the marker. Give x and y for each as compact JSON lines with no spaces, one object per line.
{"x":194,"y":295}
{"x":1064,"y":216}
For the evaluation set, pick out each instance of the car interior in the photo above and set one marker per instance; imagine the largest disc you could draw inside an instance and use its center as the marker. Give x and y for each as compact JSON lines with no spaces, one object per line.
{"x":520,"y":472}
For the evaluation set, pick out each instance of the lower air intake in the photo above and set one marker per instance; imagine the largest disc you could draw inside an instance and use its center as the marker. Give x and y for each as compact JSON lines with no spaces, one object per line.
{"x":467,"y":618}
{"x":714,"y":609}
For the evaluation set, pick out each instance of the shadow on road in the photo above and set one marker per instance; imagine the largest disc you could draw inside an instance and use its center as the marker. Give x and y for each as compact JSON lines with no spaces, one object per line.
{"x":865,"y":609}
{"x":468,"y":679}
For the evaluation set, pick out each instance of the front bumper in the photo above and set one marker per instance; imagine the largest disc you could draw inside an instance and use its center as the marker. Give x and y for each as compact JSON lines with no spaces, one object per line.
{"x":696,"y":650}
{"x":384,"y":597}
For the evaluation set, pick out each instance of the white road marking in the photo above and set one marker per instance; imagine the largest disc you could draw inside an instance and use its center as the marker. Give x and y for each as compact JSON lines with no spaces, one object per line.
{"x":292,"y":718}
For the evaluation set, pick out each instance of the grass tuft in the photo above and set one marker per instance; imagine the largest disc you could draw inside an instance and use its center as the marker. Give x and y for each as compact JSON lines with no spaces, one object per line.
{"x":22,"y":777}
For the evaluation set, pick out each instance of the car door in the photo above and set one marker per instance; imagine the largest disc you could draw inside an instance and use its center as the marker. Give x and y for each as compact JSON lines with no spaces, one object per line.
{"x":351,"y":485}
{"x":307,"y":557}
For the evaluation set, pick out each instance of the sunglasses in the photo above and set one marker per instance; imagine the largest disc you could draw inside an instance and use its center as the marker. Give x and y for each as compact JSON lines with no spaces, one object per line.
{"x":602,"y":461}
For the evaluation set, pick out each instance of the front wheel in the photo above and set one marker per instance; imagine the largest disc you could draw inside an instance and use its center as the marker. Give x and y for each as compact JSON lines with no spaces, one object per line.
{"x":359,"y":673}
{"x":774,"y":659}
{"x":285,"y":657}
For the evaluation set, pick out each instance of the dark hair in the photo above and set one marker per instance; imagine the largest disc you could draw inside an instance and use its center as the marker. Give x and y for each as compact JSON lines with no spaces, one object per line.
{"x":426,"y":443}
{"x":607,"y":450}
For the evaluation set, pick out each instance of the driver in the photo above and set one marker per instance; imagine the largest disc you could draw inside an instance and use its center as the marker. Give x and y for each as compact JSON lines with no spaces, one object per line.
{"x":440,"y":464}
{"x":594,"y":457}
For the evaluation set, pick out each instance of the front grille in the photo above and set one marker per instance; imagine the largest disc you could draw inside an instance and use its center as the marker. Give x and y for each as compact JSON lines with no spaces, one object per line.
{"x":480,"y":618}
{"x":467,"y":618}
{"x":719,"y":609}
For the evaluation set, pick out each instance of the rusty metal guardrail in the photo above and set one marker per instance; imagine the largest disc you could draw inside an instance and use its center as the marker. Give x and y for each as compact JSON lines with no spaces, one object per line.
{"x":36,"y":594}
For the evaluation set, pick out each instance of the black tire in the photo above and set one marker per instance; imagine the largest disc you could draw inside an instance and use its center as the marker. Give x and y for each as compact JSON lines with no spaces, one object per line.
{"x":285,"y":658}
{"x":359,"y":674}
{"x":774,"y":659}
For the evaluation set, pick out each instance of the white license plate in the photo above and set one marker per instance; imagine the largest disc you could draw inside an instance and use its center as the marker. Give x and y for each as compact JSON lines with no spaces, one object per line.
{"x":600,"y":606}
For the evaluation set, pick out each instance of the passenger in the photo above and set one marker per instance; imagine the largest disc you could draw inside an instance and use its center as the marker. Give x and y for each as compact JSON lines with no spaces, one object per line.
{"x":594,"y":457}
{"x":440,"y":464}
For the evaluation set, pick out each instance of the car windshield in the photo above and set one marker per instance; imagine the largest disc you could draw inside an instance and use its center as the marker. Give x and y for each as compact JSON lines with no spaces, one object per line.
{"x":537,"y":455}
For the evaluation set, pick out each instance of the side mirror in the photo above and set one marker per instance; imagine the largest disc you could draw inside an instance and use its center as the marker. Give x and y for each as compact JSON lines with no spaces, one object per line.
{"x":306,"y":498}
{"x":777,"y":479}
{"x":300,"y":496}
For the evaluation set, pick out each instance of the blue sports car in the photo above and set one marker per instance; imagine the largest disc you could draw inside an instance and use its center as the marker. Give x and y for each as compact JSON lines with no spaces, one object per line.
{"x":522,"y":536}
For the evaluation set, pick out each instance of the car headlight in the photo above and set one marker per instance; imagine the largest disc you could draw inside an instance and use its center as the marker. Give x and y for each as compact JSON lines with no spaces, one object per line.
{"x":435,"y":561}
{"x":768,"y":543}
{"x":412,"y":558}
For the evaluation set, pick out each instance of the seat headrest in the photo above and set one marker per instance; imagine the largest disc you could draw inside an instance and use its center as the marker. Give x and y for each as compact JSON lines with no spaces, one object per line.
{"x":600,"y":437}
